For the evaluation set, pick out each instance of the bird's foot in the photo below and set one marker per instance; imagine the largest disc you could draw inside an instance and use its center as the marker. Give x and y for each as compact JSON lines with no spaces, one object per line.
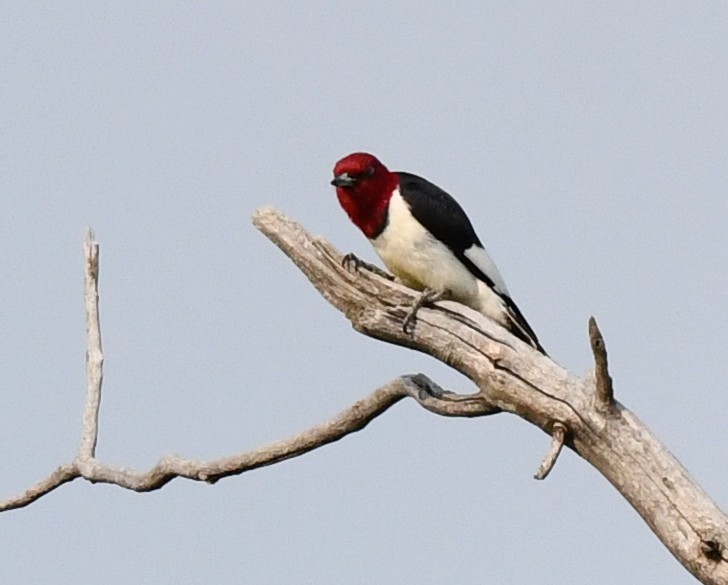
{"x":427,"y":297}
{"x":353,"y":264}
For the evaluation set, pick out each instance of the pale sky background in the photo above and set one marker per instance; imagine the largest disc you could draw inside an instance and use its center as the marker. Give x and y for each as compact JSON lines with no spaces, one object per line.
{"x":589,"y":144}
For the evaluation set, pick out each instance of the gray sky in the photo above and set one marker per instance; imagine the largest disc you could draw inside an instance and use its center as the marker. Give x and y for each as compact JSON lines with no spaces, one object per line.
{"x":589,"y":146}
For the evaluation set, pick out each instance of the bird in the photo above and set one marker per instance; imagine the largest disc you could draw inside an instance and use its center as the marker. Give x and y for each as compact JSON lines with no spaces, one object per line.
{"x":425,"y":238}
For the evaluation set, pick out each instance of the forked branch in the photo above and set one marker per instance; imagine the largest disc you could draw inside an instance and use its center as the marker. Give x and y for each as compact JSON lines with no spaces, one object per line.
{"x":509,"y":376}
{"x":581,"y":414}
{"x":85,"y":465}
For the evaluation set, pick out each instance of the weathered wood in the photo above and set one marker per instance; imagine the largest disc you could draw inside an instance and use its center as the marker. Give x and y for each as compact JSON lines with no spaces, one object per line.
{"x":510,"y":377}
{"x":558,"y":439}
{"x":426,"y":392}
{"x":514,"y":378}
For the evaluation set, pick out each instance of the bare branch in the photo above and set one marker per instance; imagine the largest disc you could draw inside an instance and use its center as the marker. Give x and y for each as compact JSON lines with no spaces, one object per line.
{"x":603,"y":381}
{"x":63,"y":474}
{"x":94,"y":355}
{"x":509,"y":375}
{"x":513,"y":377}
{"x":352,"y":419}
{"x":557,"y":442}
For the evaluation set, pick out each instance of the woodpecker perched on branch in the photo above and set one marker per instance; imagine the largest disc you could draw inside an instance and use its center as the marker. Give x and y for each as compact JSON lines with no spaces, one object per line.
{"x":425,"y":238}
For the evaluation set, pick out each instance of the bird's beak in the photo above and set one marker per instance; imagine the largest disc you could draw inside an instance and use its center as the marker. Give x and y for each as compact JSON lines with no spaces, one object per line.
{"x":343,"y":180}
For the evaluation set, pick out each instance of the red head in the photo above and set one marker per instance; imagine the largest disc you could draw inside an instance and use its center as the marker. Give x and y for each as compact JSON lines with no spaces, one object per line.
{"x":363,"y":187}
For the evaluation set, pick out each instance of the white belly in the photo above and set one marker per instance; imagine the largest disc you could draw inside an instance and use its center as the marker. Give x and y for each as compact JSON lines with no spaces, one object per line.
{"x":419,"y":260}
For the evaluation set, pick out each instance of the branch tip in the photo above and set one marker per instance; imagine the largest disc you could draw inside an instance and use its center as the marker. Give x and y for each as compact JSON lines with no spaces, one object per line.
{"x":558,"y":437}
{"x":94,"y":352}
{"x":603,"y":381}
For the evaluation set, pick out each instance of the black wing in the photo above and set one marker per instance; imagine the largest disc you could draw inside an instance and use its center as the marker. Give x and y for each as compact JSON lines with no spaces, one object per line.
{"x":443,"y":217}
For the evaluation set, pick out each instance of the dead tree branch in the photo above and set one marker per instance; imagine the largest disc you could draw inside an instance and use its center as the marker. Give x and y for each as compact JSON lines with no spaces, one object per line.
{"x":353,"y":419}
{"x":604,"y":398}
{"x":557,"y":443}
{"x":94,"y":354}
{"x":509,"y":376}
{"x":514,"y":378}
{"x":426,"y":392}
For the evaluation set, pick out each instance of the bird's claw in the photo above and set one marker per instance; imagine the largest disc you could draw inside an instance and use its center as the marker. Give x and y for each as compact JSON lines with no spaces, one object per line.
{"x":427,"y":297}
{"x":353,"y":264}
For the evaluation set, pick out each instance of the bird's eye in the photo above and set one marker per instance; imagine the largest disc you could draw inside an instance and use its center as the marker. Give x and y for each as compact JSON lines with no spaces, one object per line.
{"x":365,"y":174}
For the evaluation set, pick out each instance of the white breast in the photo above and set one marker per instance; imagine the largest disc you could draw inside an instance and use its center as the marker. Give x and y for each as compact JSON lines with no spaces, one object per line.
{"x":419,"y":260}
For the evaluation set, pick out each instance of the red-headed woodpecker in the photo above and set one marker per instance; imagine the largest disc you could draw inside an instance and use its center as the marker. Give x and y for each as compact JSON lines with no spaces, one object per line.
{"x":425,"y":238}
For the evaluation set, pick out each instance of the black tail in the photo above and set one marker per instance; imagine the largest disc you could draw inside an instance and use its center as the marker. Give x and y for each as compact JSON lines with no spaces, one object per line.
{"x":518,"y":325}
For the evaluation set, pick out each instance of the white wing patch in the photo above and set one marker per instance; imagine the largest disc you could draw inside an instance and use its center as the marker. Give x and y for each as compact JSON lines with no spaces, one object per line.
{"x":480,"y":258}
